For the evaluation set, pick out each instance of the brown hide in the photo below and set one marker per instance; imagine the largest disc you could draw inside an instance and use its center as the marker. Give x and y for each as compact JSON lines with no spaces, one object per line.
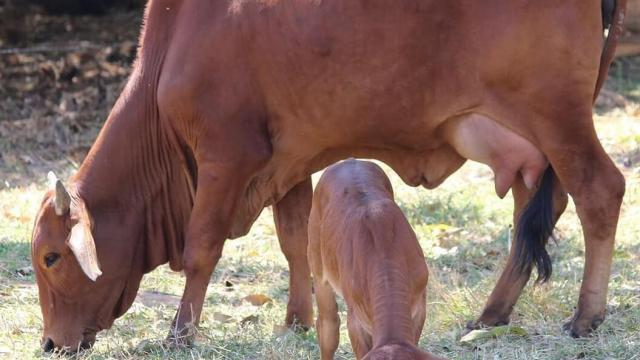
{"x":362,"y":247}
{"x":231,"y":104}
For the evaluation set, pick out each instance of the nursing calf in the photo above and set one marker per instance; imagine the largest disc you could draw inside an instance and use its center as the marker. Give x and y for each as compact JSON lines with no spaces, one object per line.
{"x":361,"y":246}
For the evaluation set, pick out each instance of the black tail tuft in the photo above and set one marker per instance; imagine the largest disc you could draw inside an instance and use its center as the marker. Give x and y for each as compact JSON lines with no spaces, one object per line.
{"x":608,"y":12}
{"x":533,"y":230}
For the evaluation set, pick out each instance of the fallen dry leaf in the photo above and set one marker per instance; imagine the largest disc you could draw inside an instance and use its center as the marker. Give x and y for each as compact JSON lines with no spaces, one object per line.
{"x":258,"y":299}
{"x":223,"y":318}
{"x":492,"y":333}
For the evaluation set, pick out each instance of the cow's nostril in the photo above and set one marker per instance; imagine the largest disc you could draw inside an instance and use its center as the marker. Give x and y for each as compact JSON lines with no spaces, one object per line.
{"x":48,"y":345}
{"x":87,"y":344}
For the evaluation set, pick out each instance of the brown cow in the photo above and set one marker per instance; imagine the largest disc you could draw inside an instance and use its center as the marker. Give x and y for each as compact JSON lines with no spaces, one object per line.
{"x":362,"y":247}
{"x":232,"y":104}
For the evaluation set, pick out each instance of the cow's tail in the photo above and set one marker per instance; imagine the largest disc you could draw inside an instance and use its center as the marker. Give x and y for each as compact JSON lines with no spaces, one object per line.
{"x":533,"y":230}
{"x":613,"y":14}
{"x":536,"y":222}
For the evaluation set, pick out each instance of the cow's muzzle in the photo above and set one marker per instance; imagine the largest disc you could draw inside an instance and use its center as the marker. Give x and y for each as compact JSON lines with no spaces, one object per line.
{"x":49,"y":346}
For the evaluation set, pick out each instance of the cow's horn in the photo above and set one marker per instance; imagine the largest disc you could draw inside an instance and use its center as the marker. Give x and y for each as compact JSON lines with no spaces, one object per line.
{"x":62,"y":200}
{"x":84,"y":248}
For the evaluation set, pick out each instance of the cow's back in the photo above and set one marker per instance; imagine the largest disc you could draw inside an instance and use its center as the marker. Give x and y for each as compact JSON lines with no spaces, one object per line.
{"x":320,"y":64}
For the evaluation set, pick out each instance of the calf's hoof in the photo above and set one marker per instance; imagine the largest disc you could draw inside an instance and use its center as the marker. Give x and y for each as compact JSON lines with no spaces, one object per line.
{"x":580,"y":326}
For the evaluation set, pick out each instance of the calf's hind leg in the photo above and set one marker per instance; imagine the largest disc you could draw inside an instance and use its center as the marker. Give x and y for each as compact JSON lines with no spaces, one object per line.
{"x":328,"y":322}
{"x":291,"y":215}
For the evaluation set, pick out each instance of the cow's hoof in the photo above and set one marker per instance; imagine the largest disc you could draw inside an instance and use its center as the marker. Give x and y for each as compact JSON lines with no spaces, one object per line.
{"x":178,"y":342}
{"x":180,"y":339}
{"x":579,"y":327}
{"x":297,"y":326}
{"x":300,"y":319}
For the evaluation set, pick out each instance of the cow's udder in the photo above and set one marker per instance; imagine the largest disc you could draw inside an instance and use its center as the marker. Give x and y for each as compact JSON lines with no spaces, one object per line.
{"x":480,"y":138}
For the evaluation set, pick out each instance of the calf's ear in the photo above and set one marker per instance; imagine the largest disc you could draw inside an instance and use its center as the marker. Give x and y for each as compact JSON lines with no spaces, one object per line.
{"x":83,"y":246}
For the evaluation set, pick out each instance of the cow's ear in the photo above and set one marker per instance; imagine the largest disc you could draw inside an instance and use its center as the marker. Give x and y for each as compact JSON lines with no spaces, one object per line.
{"x":84,"y":248}
{"x":62,"y":200}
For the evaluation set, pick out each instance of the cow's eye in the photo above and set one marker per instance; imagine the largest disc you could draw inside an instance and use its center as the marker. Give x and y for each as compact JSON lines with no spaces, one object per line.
{"x":51,"y":259}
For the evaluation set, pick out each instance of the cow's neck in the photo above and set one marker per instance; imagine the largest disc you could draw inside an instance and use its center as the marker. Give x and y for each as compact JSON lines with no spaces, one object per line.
{"x":391,"y":304}
{"x":134,"y":171}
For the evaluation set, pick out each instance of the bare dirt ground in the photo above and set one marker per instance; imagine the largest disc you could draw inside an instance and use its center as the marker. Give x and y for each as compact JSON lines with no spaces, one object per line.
{"x":58,"y":81}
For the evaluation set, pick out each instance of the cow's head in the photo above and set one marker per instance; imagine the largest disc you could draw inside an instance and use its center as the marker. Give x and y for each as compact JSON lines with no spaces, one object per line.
{"x":82,"y":288}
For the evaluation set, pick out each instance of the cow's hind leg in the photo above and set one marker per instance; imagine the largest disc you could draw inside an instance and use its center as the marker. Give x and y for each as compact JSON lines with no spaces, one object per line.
{"x":563,"y":126}
{"x":504,"y":296}
{"x":291,"y":215}
{"x":597,"y":187}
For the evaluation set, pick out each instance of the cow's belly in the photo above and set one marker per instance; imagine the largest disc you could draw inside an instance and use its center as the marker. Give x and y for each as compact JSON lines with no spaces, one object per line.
{"x":427,"y":167}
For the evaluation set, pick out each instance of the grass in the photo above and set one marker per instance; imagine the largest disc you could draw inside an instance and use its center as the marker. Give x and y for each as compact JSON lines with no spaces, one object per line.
{"x":463,"y":229}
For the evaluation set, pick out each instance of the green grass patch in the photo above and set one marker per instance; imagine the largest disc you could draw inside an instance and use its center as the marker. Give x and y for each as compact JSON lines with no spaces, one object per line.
{"x":463,"y":229}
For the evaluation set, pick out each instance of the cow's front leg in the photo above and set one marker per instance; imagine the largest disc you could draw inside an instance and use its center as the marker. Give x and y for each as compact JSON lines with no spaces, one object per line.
{"x":504,"y":296}
{"x":215,"y":201}
{"x":291,"y":215}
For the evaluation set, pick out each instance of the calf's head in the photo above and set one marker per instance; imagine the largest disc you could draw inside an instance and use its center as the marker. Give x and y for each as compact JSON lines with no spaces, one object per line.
{"x":400,"y":351}
{"x":77,"y":299}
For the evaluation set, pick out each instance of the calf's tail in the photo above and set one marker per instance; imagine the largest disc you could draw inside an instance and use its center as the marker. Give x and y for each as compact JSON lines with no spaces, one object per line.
{"x":536,"y":221}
